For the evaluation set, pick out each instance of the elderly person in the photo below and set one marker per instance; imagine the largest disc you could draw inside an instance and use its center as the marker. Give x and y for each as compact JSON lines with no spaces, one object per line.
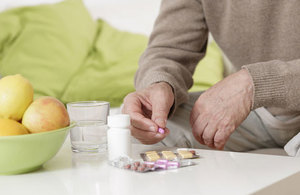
{"x":258,"y":106}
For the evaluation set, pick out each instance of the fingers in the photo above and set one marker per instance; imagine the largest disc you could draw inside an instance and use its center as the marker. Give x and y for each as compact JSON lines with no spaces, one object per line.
{"x":162,"y":100}
{"x":132,"y":104}
{"x":158,"y":100}
{"x":148,"y":137}
{"x":141,"y":122}
{"x":211,"y":131}
{"x":194,"y":115}
{"x":205,"y":133}
{"x":221,"y":138}
{"x":198,"y":128}
{"x":133,"y":107}
{"x":142,"y":127}
{"x":160,"y":114}
{"x":146,"y":130}
{"x":209,"y":134}
{"x":227,"y":104}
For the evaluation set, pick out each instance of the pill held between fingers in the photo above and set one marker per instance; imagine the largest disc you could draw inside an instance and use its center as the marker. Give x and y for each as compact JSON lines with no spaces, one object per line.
{"x":161,"y":130}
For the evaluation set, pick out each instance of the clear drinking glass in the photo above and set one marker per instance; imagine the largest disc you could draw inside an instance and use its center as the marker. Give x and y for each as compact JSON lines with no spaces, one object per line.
{"x":89,"y":134}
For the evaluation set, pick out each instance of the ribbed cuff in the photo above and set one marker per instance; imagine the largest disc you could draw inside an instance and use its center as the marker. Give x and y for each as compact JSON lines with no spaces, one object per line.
{"x":180,"y":94}
{"x":269,"y":86}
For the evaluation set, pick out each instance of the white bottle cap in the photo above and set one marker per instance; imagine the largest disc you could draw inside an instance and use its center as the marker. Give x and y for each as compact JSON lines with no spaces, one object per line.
{"x":118,"y":121}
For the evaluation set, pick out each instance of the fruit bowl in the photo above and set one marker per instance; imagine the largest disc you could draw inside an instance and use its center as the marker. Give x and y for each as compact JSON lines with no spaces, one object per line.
{"x":26,"y":153}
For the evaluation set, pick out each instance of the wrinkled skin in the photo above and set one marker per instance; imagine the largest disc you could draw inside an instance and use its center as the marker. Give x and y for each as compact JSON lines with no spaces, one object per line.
{"x":148,"y":110}
{"x":221,"y":109}
{"x":214,"y":117}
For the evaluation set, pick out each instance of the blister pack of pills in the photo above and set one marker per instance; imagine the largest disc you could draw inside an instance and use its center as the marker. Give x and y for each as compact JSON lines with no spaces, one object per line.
{"x":169,"y":155}
{"x":147,"y":166}
{"x":157,"y":160}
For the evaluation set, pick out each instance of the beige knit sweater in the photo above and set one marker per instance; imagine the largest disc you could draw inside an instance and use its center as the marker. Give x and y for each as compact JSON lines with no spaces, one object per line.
{"x":262,"y":36}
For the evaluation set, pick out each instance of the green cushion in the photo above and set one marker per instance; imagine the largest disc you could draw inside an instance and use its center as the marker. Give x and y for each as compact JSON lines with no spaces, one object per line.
{"x":65,"y":54}
{"x":46,"y":44}
{"x":108,"y":72}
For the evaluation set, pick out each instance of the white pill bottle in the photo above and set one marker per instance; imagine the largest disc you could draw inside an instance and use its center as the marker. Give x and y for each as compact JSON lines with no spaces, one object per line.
{"x":118,"y":136}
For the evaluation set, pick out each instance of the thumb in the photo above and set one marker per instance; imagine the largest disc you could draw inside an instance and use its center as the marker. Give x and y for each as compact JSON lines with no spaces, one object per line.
{"x":160,"y":111}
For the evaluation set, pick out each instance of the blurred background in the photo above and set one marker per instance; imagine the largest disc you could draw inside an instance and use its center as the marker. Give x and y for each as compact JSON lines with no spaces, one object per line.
{"x":130,"y":15}
{"x":85,"y":49}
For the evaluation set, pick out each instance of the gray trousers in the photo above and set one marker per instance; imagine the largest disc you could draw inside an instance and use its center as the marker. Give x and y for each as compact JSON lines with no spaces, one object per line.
{"x":259,"y":130}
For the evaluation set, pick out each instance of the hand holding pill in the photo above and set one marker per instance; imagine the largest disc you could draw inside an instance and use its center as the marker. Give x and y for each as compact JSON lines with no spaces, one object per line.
{"x":148,"y":110}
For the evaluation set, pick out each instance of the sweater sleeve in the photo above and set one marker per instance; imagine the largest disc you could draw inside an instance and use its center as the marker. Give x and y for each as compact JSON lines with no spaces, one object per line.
{"x":177,"y":43}
{"x":276,"y":84}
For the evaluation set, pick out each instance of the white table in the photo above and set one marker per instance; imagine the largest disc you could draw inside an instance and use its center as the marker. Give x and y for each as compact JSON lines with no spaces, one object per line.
{"x":216,"y":172}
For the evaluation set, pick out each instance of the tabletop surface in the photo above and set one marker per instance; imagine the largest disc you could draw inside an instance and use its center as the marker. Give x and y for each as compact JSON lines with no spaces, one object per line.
{"x":216,"y":172}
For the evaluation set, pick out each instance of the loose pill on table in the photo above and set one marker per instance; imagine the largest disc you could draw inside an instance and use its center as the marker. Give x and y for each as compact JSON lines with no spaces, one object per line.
{"x":127,"y":166}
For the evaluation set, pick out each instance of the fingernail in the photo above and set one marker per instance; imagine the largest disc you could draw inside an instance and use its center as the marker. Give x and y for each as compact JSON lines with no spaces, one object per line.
{"x":218,"y":146}
{"x":161,"y":130}
{"x":152,"y":128}
{"x":158,"y":135}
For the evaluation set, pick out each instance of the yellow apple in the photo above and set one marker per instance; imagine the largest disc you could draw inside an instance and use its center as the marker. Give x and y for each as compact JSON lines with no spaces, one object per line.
{"x":16,"y":94}
{"x":45,"y":114}
{"x":11,"y":127}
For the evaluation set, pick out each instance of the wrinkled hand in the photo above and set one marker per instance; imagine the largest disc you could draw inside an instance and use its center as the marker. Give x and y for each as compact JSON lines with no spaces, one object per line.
{"x":148,"y":110}
{"x":221,"y":109}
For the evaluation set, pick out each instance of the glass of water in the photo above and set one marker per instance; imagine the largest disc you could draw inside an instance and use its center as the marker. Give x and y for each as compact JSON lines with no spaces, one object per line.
{"x":89,"y":134}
